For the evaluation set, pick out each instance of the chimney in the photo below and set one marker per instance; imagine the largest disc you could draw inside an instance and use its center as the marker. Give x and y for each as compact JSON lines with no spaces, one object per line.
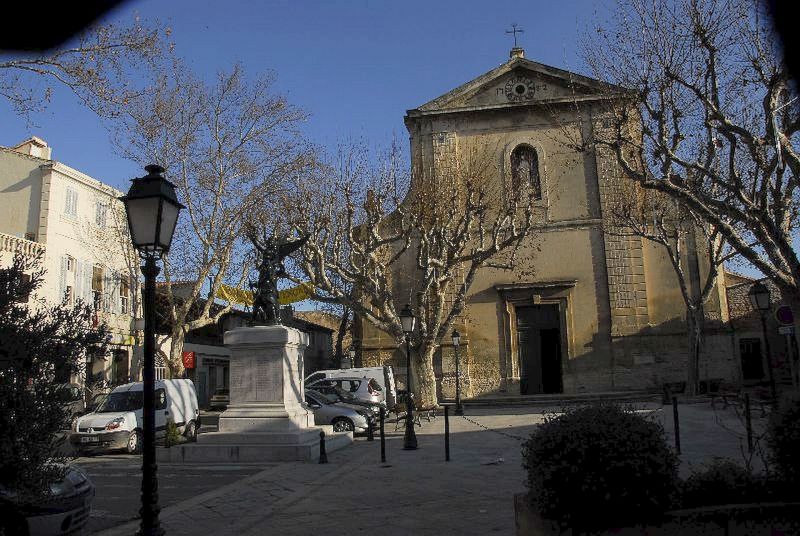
{"x":517,"y":52}
{"x":34,"y":146}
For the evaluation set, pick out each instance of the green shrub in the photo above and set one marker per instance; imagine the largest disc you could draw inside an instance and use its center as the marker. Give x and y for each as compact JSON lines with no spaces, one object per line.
{"x":783,"y":439}
{"x":722,"y":481}
{"x":599,"y":467}
{"x":172,"y":436}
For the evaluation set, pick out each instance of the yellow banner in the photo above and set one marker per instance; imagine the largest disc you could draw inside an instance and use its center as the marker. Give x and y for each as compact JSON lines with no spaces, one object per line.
{"x":285,"y":297}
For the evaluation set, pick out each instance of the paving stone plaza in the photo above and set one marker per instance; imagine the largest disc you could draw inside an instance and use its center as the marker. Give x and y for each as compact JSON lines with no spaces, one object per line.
{"x":417,"y":491}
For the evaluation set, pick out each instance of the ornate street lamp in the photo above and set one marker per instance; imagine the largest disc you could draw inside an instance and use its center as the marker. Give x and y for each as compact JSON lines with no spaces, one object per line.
{"x":152,"y":208}
{"x":760,"y":299}
{"x":456,"y":343}
{"x":408,"y":320}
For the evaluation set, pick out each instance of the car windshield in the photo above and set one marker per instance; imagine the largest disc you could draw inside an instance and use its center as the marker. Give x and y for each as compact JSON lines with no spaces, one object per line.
{"x":128,"y":401}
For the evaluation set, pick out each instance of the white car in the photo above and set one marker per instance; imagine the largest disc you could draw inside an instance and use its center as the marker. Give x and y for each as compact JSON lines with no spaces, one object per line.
{"x":366,"y":389}
{"x":117,"y":422}
{"x":384,"y":376}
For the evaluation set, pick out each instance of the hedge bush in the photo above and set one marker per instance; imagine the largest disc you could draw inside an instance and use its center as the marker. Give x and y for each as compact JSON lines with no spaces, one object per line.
{"x":783,"y":439}
{"x":600,"y":466}
{"x":723,"y":481}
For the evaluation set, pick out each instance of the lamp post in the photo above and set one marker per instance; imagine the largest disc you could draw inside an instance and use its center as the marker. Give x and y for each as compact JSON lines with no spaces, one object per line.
{"x":408,"y":320}
{"x":352,"y":355}
{"x":760,"y":299}
{"x":152,"y":208}
{"x":456,"y":342}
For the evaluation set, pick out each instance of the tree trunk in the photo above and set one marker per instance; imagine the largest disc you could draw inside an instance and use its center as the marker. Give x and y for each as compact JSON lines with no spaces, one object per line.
{"x":338,"y":351}
{"x":424,"y":380}
{"x":175,"y":360}
{"x":695,"y":334}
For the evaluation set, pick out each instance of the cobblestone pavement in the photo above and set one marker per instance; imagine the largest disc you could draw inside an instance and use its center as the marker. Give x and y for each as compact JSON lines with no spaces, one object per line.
{"x":415,"y":491}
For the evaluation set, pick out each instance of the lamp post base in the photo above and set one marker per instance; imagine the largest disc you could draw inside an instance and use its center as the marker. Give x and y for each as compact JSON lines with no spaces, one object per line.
{"x":410,"y":439}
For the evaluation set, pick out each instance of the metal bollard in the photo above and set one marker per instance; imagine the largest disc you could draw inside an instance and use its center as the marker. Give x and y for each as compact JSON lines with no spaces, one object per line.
{"x":323,"y":456}
{"x":383,"y":437}
{"x":748,"y":423}
{"x":447,"y":433}
{"x":370,"y":433}
{"x":677,"y":425}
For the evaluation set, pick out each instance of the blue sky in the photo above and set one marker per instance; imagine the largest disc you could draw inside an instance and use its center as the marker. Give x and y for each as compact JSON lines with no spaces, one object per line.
{"x":355,"y":66}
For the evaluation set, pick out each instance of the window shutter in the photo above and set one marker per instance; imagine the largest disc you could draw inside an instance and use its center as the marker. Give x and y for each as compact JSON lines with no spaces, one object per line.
{"x":88,"y":270}
{"x":115,"y":305}
{"x":106,"y":291}
{"x":62,"y":280}
{"x":78,"y":280}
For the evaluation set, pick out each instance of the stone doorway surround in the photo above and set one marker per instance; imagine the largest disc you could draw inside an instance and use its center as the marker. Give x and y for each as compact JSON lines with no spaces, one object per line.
{"x":515,"y":295}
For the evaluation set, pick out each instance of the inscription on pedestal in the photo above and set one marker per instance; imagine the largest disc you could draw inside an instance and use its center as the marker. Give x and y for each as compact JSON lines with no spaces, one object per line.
{"x":242,"y":380}
{"x":268,"y":380}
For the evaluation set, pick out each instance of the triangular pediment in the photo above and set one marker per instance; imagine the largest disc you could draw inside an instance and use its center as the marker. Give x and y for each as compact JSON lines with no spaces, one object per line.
{"x":519,"y":82}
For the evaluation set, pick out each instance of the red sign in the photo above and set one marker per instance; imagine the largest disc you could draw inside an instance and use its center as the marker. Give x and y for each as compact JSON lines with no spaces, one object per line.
{"x":188,"y":360}
{"x":784,"y":315}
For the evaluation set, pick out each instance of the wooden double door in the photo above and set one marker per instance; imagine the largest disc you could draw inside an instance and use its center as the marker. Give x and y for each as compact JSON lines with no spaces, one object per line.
{"x":539,"y":349}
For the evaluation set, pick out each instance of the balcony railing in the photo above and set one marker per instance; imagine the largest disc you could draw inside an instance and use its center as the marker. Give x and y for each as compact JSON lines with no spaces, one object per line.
{"x":12,"y":244}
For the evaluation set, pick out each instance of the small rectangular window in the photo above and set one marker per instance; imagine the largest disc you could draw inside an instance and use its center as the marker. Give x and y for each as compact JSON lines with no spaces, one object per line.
{"x":100,"y":210}
{"x":97,"y":287}
{"x":71,"y":203}
{"x":124,"y":294}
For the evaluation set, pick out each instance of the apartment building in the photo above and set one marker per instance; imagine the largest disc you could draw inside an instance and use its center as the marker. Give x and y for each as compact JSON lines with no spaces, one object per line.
{"x":79,"y":226}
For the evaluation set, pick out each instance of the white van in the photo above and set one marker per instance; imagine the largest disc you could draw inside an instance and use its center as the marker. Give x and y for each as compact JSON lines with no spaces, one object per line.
{"x":117,"y":421}
{"x":383,"y":375}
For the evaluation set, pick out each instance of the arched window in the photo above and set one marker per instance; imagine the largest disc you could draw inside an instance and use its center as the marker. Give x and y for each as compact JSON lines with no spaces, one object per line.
{"x":525,"y":170}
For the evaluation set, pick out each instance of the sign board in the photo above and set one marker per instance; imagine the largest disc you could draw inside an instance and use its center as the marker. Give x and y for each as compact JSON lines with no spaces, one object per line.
{"x":784,"y":315}
{"x":188,"y":360}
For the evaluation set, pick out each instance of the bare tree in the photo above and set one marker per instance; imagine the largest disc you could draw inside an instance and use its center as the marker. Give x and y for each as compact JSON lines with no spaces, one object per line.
{"x":367,"y":243}
{"x":681,"y":234}
{"x":228,"y":147}
{"x":712,"y":119}
{"x":96,"y":68}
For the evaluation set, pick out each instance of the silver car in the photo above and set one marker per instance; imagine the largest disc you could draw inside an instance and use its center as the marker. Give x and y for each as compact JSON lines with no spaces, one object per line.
{"x":343,"y":417}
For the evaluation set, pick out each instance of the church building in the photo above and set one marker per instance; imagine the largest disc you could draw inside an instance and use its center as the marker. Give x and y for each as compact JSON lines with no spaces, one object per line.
{"x":592,"y":311}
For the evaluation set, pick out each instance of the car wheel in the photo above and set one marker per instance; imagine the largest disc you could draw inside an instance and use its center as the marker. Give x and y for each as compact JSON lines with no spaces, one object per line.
{"x":190,"y":432}
{"x":134,"y":443}
{"x":343,"y":425}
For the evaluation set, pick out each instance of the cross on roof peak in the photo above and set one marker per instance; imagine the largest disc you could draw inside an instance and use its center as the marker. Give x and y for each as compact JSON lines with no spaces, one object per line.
{"x":515,"y":29}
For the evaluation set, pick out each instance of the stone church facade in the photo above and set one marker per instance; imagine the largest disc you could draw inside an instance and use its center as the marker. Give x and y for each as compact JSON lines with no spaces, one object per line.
{"x":591,"y":311}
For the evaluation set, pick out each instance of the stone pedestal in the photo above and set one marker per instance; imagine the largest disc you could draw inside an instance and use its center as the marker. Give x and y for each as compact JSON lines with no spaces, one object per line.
{"x":266,"y":419}
{"x":266,"y":381}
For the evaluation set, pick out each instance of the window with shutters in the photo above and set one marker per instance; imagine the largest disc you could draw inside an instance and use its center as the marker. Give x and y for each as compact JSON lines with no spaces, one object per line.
{"x":97,"y":287}
{"x":68,"y":279}
{"x":525,"y":170}
{"x":100,"y":211}
{"x":124,"y":294}
{"x":71,"y":203}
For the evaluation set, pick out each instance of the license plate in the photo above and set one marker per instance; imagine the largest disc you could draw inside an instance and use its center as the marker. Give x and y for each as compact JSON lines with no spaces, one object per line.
{"x":89,"y":440}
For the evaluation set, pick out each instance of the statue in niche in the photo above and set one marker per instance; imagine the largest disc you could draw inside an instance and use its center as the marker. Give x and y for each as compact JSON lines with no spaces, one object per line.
{"x":271,"y":252}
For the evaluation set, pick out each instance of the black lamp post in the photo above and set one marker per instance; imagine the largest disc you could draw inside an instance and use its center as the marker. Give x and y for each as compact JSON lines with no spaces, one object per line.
{"x":456,"y":342}
{"x":408,"y":320}
{"x":760,"y":299}
{"x":152,"y":208}
{"x":352,"y":355}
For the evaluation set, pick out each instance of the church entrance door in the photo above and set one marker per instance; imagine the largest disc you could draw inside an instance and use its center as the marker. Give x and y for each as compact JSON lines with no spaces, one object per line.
{"x":539,"y":344}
